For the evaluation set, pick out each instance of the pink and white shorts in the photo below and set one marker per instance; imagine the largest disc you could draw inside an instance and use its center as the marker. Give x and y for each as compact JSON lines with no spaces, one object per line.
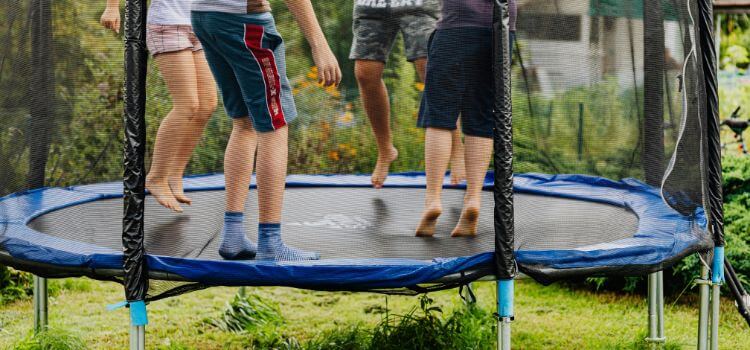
{"x":161,"y":38}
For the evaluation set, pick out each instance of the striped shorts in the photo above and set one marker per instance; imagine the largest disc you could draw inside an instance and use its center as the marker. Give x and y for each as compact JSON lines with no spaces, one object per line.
{"x":247,"y":58}
{"x":161,"y":38}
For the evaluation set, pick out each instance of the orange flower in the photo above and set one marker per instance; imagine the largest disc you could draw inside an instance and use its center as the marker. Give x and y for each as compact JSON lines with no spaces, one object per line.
{"x":313,"y":73}
{"x":334,"y":155}
{"x":419,"y":86}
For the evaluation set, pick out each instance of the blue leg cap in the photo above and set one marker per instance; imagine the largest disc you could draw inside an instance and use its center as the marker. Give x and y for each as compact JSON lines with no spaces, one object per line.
{"x":717,"y":270}
{"x":138,"y":315}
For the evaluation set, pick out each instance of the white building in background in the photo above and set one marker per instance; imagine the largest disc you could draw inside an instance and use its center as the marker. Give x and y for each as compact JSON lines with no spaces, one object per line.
{"x":581,"y":50}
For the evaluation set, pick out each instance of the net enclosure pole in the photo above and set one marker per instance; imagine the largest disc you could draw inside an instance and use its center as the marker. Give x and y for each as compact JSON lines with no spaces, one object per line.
{"x":134,"y":179}
{"x":505,"y":263}
{"x":709,"y":65}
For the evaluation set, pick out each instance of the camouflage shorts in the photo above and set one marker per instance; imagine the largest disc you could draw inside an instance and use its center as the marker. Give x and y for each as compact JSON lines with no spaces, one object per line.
{"x":378,"y":22}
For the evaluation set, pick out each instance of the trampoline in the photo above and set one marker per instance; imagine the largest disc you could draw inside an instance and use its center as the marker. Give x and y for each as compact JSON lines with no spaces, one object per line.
{"x":365,"y":236}
{"x":606,"y":160}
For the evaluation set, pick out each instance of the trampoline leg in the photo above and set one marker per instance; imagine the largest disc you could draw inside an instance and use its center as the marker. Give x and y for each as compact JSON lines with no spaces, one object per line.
{"x":656,"y":310}
{"x":717,"y":278}
{"x":504,"y":313}
{"x":243,"y":292}
{"x":715,"y":304}
{"x":503,"y":334}
{"x":137,"y":337}
{"x":660,"y":306}
{"x":703,"y":284}
{"x":40,"y":304}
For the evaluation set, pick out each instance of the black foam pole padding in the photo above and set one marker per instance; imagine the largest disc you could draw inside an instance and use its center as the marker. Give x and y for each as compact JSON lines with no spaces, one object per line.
{"x":505,"y":262}
{"x":136,"y":59}
{"x":653,"y":91}
{"x":709,"y":63}
{"x":42,"y":97}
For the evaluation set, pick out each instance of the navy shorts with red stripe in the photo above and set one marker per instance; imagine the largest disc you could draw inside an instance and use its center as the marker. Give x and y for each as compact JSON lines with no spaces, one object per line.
{"x":247,"y":58}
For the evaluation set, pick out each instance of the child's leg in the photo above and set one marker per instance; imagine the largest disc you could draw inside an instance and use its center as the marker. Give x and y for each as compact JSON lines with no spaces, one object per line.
{"x":238,"y":170}
{"x":271,"y":177}
{"x":478,"y":153}
{"x":238,"y":163}
{"x":420,"y":65}
{"x":178,"y":72}
{"x":271,"y":173}
{"x":437,"y":154}
{"x":458,"y":166}
{"x":374,"y":94}
{"x":207,"y":96}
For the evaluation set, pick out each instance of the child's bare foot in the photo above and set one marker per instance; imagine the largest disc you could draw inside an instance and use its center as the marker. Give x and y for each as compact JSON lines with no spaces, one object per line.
{"x":175,"y":184}
{"x":382,"y":167}
{"x":163,"y":194}
{"x":428,"y":223}
{"x":458,"y":170}
{"x":467,"y":224}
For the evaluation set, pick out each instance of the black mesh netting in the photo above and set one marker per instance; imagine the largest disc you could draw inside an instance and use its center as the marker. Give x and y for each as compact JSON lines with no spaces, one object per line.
{"x":607,"y":88}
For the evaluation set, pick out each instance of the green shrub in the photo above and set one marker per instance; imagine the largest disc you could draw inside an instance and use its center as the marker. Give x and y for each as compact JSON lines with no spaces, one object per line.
{"x":423,"y":327}
{"x":51,"y":339}
{"x":14,"y":285}
{"x":249,"y":313}
{"x":737,"y":213}
{"x":352,"y":338}
{"x":736,"y":224}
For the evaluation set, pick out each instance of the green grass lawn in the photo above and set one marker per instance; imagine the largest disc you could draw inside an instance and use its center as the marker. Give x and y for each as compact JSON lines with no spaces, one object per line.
{"x":552,"y":317}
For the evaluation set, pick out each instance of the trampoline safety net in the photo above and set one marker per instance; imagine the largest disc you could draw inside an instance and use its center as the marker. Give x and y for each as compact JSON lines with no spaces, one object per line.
{"x":609,"y":141}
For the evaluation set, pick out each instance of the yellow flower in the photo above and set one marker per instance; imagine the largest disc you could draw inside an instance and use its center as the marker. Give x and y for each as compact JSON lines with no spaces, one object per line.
{"x":419,"y":86}
{"x":346,"y":117}
{"x":333,"y":91}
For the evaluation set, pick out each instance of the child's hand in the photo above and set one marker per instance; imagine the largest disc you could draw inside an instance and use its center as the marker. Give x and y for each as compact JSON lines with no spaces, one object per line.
{"x":111,"y":19}
{"x":329,"y":72}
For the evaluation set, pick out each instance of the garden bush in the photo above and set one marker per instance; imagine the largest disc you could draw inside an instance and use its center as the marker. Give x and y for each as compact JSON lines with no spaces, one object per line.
{"x":51,"y":339}
{"x":247,"y":313}
{"x":425,"y":326}
{"x":14,"y":285}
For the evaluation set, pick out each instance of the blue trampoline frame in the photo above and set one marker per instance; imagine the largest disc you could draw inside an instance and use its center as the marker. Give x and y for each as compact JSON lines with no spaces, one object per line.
{"x":663,"y":234}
